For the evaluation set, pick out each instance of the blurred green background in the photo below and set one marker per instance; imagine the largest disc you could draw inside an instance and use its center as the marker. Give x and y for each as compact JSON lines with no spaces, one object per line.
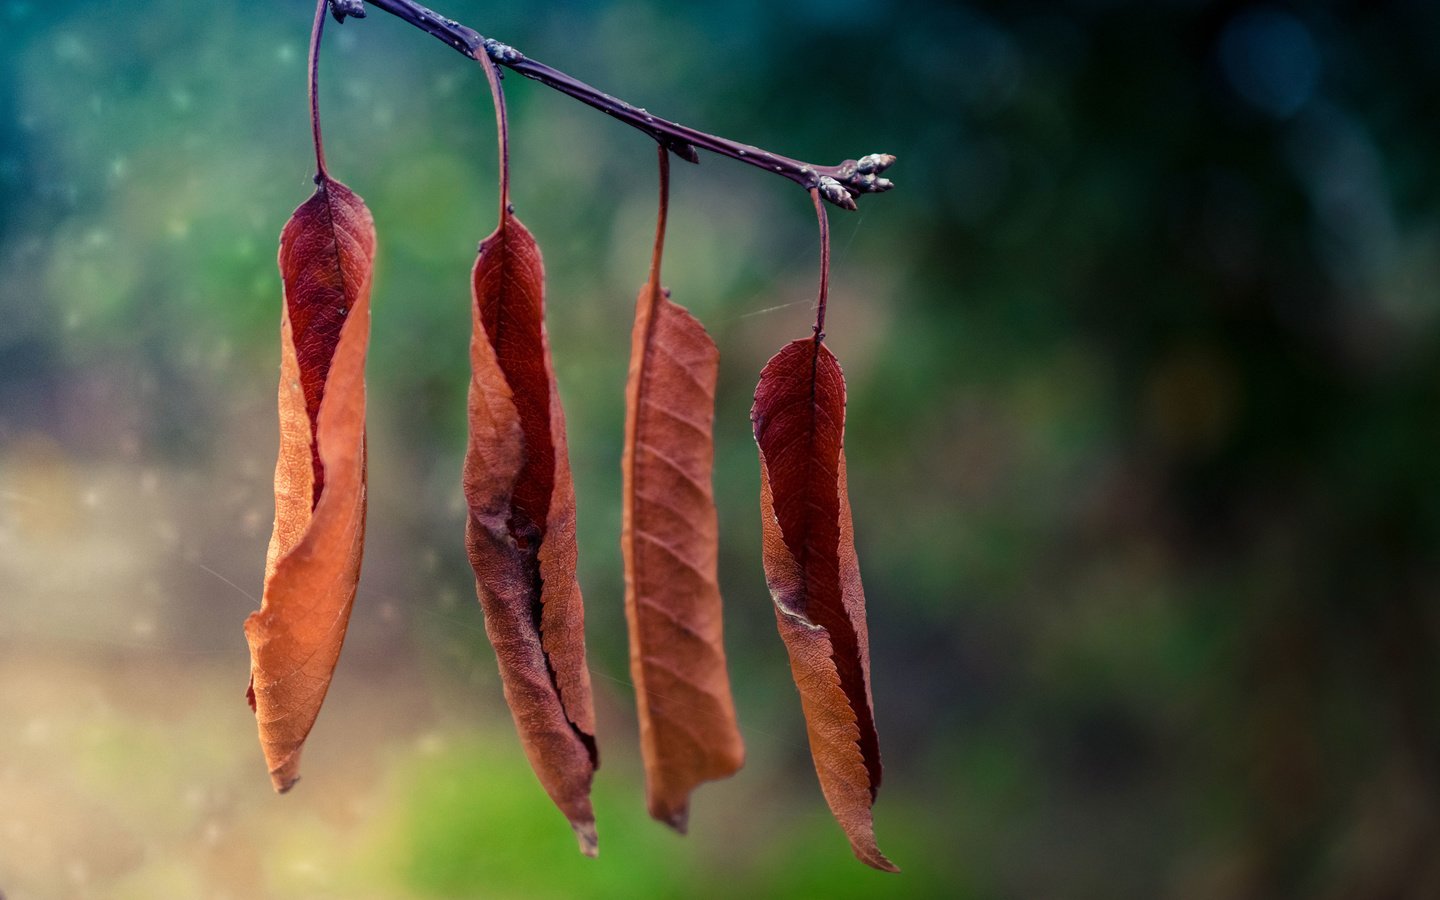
{"x":1144,"y":369}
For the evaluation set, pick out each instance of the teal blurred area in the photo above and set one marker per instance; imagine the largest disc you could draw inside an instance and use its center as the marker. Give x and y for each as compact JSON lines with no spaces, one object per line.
{"x":1143,"y":357}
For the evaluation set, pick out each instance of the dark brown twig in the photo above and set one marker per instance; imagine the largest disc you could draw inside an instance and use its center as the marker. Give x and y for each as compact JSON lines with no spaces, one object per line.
{"x":839,"y":184}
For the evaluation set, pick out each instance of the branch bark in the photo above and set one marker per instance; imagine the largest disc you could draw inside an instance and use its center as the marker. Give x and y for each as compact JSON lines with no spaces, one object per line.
{"x":839,"y":184}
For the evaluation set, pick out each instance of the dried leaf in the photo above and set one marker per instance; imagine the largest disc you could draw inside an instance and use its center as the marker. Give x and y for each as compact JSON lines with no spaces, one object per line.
{"x":327,"y":253}
{"x":521,"y":530}
{"x":814,"y":577}
{"x":688,"y":731}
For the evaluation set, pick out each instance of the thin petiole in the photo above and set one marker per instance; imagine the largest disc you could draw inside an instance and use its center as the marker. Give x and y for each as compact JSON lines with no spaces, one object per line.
{"x":824,"y":265}
{"x":315,"y":33}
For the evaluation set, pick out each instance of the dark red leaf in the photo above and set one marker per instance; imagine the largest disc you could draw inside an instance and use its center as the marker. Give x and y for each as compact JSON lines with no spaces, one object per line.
{"x":521,"y":530}
{"x":814,"y":577}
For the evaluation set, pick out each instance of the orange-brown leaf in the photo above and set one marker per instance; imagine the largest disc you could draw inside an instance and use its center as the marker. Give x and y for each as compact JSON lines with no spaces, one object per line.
{"x":520,"y":533}
{"x":327,"y":253}
{"x":814,"y":577}
{"x":688,"y":731}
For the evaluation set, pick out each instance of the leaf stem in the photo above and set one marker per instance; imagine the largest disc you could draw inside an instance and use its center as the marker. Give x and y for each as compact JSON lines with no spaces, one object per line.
{"x":824,"y":265}
{"x":664,"y":155}
{"x":502,"y":128}
{"x":315,"y":32}
{"x":839,"y":184}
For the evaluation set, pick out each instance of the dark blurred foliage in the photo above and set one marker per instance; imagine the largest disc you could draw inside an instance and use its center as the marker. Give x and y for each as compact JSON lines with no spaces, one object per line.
{"x":1144,"y":368}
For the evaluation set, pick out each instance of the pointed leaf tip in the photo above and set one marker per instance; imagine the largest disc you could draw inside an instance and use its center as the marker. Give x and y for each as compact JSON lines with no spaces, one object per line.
{"x":679,"y":820}
{"x":284,"y":781}
{"x":588,"y":839}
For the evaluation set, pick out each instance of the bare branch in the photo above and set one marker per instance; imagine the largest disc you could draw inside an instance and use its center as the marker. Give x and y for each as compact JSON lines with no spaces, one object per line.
{"x":839,"y":184}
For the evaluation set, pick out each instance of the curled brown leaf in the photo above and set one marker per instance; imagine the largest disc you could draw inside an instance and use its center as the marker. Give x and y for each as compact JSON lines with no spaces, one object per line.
{"x":814,"y":577}
{"x":520,"y":533}
{"x":327,"y":252}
